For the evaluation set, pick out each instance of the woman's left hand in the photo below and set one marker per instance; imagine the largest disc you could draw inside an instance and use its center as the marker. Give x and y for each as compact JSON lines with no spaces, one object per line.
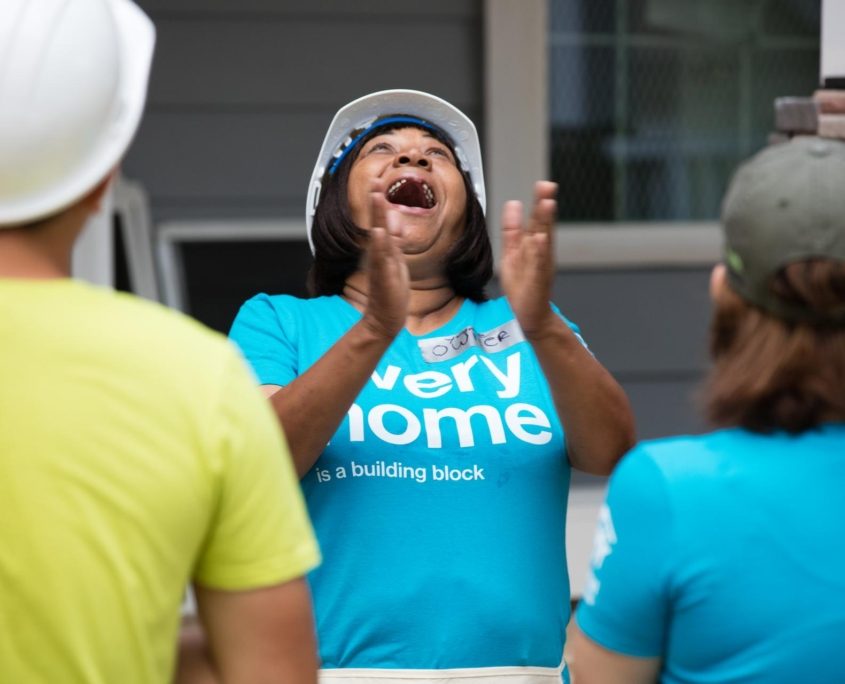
{"x":592,"y":407}
{"x":527,"y":265}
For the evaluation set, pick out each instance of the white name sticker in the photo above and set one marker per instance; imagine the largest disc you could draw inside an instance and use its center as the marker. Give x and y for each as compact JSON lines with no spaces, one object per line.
{"x":444,"y":348}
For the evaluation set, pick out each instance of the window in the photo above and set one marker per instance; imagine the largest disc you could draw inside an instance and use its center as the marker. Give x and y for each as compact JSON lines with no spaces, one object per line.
{"x":209,"y":268}
{"x":653,"y":102}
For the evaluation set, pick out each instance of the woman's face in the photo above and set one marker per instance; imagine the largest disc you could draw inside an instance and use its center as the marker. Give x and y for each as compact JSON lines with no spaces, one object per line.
{"x":420,"y":179}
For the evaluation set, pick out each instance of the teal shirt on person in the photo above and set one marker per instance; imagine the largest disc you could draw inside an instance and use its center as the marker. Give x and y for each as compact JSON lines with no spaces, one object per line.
{"x":724,"y":555}
{"x":440,"y":502}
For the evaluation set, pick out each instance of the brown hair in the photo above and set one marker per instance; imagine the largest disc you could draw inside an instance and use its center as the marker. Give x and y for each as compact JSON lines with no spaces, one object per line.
{"x":769,"y":374}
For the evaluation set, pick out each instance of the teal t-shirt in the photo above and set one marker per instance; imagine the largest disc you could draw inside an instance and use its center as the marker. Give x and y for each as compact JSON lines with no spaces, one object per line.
{"x":724,"y":555}
{"x":440,"y":502}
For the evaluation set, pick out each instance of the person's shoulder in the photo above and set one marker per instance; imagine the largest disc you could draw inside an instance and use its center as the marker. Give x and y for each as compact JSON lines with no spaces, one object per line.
{"x":674,"y":474}
{"x":264,"y":304}
{"x":144,"y":339}
{"x":689,"y":457}
{"x":693,"y":444}
{"x":264,"y":313}
{"x":150,"y":320}
{"x":148,"y":345}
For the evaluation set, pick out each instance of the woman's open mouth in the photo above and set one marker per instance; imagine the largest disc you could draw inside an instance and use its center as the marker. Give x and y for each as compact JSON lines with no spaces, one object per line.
{"x":411,"y":192}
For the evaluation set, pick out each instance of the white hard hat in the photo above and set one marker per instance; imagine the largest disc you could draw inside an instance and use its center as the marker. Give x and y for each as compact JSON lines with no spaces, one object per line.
{"x":360,"y":114}
{"x":73,"y":81}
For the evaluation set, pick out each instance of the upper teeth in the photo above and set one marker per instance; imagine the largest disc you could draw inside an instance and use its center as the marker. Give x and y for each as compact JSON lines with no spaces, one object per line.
{"x":429,"y":193}
{"x":398,"y":184}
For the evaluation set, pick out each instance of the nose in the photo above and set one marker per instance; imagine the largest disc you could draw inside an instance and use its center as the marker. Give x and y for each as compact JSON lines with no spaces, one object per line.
{"x":412,"y":158}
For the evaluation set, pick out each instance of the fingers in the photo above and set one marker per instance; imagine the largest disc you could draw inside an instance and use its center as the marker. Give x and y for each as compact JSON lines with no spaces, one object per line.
{"x":385,"y":244}
{"x":538,"y":250}
{"x":545,"y":207}
{"x":543,"y":212}
{"x":527,"y":265}
{"x":384,"y":262}
{"x":511,"y":225}
{"x":388,"y":288}
{"x":378,"y":247}
{"x":386,"y":230}
{"x":545,"y":190}
{"x":393,"y":223}
{"x":378,"y":207}
{"x":512,"y":215}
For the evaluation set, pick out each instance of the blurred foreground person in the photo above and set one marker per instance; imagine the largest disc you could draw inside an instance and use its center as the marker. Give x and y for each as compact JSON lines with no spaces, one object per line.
{"x":719,"y":558}
{"x":136,"y":454}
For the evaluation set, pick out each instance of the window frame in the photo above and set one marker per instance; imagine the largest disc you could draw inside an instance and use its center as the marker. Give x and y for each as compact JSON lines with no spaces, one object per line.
{"x":516,"y":40}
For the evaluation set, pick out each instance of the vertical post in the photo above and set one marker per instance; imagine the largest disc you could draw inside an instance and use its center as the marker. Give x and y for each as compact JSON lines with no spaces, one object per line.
{"x":833,"y":46}
{"x":745,"y":86}
{"x":516,"y":103}
{"x":620,"y":114}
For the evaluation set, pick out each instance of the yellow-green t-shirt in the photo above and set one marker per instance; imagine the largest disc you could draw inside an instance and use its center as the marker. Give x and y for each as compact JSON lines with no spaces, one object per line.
{"x":136,"y":454}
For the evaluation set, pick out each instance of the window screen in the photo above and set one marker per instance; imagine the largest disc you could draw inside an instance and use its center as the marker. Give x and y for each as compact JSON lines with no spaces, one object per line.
{"x":653,"y":102}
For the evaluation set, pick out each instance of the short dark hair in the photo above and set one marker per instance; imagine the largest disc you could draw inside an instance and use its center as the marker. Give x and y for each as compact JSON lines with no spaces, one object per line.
{"x":769,"y":374}
{"x":337,"y":240}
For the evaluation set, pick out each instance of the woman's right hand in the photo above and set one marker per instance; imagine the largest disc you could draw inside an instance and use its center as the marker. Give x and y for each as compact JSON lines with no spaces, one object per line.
{"x":313,"y":406}
{"x":388,"y":282}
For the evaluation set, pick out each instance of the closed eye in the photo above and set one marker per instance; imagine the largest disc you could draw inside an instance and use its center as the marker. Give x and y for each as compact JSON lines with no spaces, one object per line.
{"x":440,"y":152}
{"x":380,"y":147}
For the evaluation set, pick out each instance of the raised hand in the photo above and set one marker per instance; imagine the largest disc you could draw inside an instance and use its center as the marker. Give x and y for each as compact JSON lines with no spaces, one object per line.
{"x":527,"y":266}
{"x":388,"y":282}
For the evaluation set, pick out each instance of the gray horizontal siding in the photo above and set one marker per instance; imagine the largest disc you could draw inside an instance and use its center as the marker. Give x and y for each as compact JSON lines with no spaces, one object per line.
{"x":242,"y":92}
{"x":641,"y":322}
{"x":649,"y":327}
{"x":219,"y":158}
{"x":312,"y":63}
{"x":357,"y":9}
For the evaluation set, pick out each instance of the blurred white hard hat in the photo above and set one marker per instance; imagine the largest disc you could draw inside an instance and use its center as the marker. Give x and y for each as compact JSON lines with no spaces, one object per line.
{"x":360,"y":114}
{"x":73,"y":81}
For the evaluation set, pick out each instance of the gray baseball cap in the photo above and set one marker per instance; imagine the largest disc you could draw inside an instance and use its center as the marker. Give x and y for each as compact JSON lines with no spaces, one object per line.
{"x":785,"y":204}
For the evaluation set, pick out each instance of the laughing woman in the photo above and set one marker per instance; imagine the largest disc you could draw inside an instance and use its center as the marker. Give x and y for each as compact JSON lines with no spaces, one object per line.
{"x":433,"y":428}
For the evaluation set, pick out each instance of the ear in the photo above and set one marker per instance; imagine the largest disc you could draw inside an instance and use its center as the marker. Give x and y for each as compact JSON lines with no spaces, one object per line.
{"x":94,"y":199}
{"x":718,"y":277}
